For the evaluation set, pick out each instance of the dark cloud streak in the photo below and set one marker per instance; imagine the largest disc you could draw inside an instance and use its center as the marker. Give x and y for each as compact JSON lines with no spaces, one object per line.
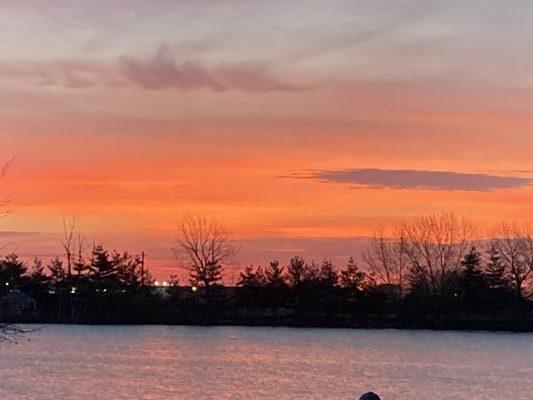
{"x":374,"y":178}
{"x":158,"y":72}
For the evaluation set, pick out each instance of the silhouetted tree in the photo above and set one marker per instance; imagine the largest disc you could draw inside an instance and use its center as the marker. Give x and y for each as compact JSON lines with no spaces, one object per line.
{"x":435,"y":245}
{"x":352,"y":279}
{"x":252,"y":282}
{"x":11,"y":269}
{"x":328,"y":280}
{"x":57,"y":271}
{"x":37,"y":275}
{"x":514,"y":246}
{"x":252,"y":277}
{"x":274,"y":275}
{"x":473,"y":279}
{"x":328,"y":275}
{"x":80,"y":266}
{"x":149,"y":279}
{"x":295,"y":271}
{"x":311,"y":274}
{"x":495,"y":270}
{"x":115,"y":269}
{"x":304,"y":281}
{"x":3,"y":201}
{"x":204,"y":246}
{"x":275,"y":286}
{"x":382,"y":257}
{"x":308,"y":291}
{"x":102,"y":266}
{"x":174,"y":280}
{"x":387,"y":259}
{"x":69,"y":234}
{"x":127,"y":269}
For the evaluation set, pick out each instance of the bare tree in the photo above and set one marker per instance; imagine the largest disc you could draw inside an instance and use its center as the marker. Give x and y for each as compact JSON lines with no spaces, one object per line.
{"x":3,"y":201}
{"x":69,"y":234}
{"x":514,"y":245}
{"x":435,"y":245}
{"x":380,"y":256}
{"x":387,"y":259}
{"x":204,"y":246}
{"x":402,"y":260}
{"x":80,"y":265}
{"x":8,"y":332}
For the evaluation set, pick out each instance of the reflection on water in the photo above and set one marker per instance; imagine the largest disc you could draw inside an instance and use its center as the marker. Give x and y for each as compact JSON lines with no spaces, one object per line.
{"x":160,"y":362}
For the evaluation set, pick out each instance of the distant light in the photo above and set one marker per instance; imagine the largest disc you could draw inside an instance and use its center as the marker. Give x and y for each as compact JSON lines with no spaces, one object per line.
{"x":73,"y":290}
{"x":195,"y":288}
{"x":165,"y":283}
{"x":7,"y":283}
{"x":156,"y":283}
{"x":105,"y":290}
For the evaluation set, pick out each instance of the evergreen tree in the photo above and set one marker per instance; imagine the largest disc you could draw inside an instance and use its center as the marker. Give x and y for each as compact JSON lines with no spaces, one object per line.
{"x":274,"y":275}
{"x":276,"y":287}
{"x":103,"y":267}
{"x":252,"y":278}
{"x":37,"y":274}
{"x":495,"y":270}
{"x":328,"y":280}
{"x":311,"y":274}
{"x":307,"y":292}
{"x":80,"y":266}
{"x":296,"y":271}
{"x":473,"y":279}
{"x":11,"y":269}
{"x":352,"y":279}
{"x":127,"y":268}
{"x":252,"y":281}
{"x":57,"y":271}
{"x":329,"y":277}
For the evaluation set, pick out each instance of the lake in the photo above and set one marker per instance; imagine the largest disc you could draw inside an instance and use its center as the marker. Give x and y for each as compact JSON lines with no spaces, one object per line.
{"x":169,"y":362}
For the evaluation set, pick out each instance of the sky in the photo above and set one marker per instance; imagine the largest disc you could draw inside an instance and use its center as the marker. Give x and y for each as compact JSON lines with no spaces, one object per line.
{"x":305,"y":125}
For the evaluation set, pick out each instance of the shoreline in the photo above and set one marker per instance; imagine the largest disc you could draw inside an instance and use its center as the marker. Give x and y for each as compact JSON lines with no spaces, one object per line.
{"x":294,"y":325}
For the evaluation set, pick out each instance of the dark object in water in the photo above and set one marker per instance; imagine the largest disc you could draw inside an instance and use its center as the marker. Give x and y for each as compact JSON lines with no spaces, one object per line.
{"x":369,"y":396}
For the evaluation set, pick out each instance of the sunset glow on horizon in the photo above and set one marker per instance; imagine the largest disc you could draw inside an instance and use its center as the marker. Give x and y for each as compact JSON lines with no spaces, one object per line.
{"x":304,"y":128}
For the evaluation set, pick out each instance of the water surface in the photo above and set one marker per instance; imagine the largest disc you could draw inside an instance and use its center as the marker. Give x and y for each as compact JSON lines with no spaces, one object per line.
{"x":163,"y":362}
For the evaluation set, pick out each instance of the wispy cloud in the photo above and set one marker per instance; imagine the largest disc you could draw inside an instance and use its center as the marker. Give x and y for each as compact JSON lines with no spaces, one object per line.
{"x":162,"y":72}
{"x":416,"y":179}
{"x":158,"y":72}
{"x":72,"y":74}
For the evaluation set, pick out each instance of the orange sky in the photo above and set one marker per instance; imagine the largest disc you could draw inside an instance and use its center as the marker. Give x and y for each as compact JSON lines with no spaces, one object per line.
{"x":289,"y":127}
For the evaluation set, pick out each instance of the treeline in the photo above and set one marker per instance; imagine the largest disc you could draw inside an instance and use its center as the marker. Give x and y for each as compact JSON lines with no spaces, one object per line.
{"x":430,"y":272}
{"x":480,"y":293}
{"x":81,"y":289}
{"x":103,"y":270}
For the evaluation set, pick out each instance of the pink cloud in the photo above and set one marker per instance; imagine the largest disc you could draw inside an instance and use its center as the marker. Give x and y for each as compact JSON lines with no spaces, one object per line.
{"x":158,"y":72}
{"x":72,"y":74}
